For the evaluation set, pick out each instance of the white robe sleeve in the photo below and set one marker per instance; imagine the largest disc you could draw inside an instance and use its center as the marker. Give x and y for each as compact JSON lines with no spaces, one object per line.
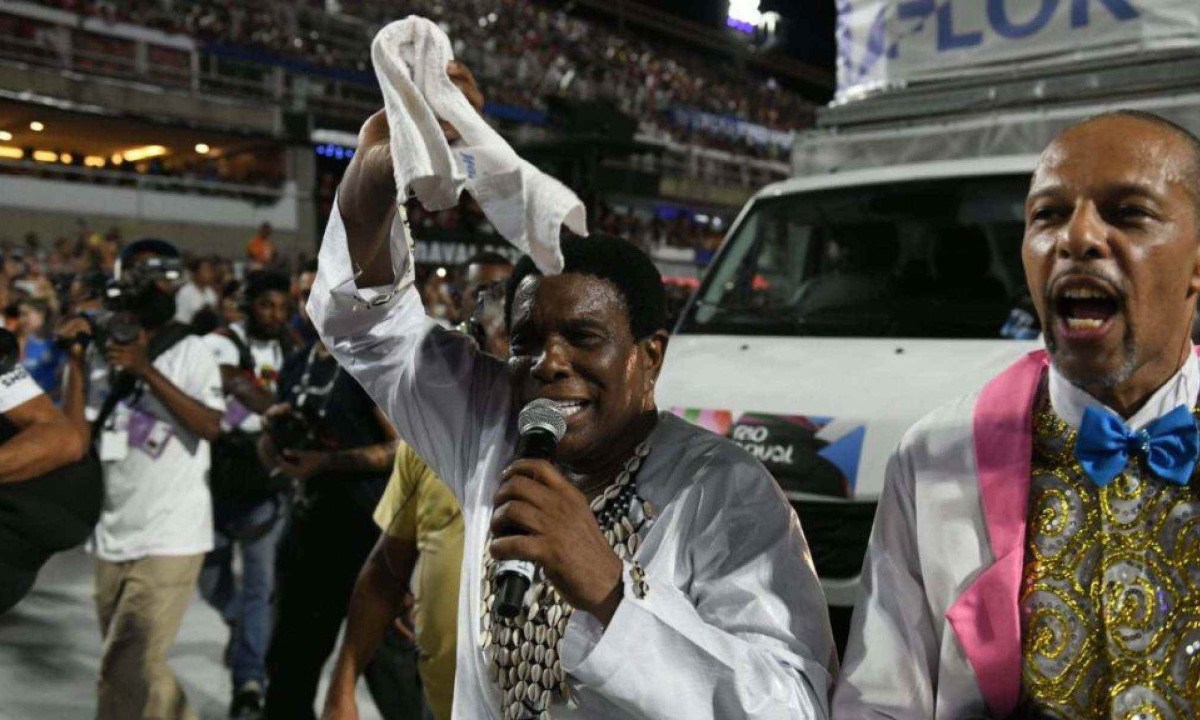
{"x":434,"y":385}
{"x":747,"y":638}
{"x":892,"y":654}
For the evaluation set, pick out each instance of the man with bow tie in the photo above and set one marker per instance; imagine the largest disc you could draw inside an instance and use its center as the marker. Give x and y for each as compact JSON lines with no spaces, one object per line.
{"x":1037,"y":547}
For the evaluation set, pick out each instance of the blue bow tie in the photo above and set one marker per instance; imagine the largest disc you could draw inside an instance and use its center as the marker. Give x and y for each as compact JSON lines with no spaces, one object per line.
{"x":1169,"y":445}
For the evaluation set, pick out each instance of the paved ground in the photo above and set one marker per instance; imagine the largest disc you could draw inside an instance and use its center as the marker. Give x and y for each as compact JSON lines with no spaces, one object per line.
{"x":50,"y":651}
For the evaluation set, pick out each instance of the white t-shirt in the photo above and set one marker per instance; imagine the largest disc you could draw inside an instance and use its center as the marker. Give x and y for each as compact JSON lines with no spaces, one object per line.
{"x":156,"y":499}
{"x":190,"y":299}
{"x":268,"y":361}
{"x":17,"y":388}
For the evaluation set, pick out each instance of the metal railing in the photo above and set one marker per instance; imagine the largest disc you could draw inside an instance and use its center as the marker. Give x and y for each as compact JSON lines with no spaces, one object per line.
{"x":206,"y":73}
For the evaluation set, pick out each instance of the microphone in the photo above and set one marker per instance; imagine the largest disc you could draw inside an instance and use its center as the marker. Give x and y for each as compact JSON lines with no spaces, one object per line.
{"x":541,"y":425}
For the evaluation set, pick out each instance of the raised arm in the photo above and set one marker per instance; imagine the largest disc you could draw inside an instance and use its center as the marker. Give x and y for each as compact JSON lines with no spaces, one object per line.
{"x":75,"y":379}
{"x":435,"y":386}
{"x":367,"y":203}
{"x":367,"y":195}
{"x":236,"y":382}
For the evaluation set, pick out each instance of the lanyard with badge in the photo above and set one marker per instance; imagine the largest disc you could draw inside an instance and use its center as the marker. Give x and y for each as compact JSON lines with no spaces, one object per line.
{"x":313,"y":401}
{"x":134,"y":428}
{"x":300,"y":428}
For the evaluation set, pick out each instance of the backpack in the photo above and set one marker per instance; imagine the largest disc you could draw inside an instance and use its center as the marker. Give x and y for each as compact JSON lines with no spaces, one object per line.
{"x":236,"y":474}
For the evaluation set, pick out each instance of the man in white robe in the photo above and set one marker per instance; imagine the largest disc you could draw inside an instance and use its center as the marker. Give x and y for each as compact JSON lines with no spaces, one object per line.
{"x":714,"y":611}
{"x":1007,"y":574}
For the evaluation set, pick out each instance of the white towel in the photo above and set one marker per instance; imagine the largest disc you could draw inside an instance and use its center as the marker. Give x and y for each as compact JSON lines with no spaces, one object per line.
{"x":526,"y":206}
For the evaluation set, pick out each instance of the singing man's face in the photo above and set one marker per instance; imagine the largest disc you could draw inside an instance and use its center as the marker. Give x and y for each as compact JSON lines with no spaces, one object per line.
{"x":1112,"y":249}
{"x":571,"y":336}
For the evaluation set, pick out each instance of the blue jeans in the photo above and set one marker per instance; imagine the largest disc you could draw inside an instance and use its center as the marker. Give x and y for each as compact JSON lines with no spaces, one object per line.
{"x":245,"y":606}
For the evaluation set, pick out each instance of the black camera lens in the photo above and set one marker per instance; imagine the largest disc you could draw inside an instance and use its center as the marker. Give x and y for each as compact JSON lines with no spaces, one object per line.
{"x":123,"y":328}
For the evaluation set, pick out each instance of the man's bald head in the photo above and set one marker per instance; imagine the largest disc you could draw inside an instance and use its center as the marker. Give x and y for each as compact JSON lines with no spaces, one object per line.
{"x":1112,"y":252}
{"x":1188,"y":140}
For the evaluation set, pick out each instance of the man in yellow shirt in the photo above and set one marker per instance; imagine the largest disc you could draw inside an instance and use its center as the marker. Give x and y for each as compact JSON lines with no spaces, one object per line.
{"x":422,"y":539}
{"x":419,"y":514}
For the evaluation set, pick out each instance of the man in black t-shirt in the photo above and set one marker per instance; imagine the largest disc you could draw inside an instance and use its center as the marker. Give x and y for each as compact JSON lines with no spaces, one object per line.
{"x":327,"y":434}
{"x":247,"y":507}
{"x":49,"y":499}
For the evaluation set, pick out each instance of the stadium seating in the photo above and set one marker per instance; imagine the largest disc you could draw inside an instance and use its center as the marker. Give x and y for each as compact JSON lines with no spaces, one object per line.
{"x":523,"y":51}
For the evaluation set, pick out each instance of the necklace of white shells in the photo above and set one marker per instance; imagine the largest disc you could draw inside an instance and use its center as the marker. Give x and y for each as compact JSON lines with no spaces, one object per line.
{"x":522,"y":652}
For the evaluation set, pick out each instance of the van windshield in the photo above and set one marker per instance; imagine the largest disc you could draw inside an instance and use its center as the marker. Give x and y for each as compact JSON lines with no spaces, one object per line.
{"x":928,"y":259}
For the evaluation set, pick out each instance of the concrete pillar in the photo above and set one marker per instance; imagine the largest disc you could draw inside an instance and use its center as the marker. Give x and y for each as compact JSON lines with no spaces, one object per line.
{"x":302,"y":173}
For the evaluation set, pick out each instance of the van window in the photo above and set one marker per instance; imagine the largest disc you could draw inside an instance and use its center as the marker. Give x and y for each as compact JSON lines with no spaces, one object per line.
{"x":929,"y":259}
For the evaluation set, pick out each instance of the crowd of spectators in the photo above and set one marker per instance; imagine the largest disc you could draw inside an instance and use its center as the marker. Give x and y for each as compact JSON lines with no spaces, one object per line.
{"x":522,"y":50}
{"x":673,"y":228}
{"x":42,"y":282}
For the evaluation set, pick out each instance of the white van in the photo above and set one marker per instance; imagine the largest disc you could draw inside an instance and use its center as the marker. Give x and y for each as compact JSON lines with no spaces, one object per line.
{"x":842,"y":308}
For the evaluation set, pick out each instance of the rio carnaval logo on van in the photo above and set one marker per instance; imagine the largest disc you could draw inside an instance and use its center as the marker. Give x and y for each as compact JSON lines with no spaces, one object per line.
{"x":807,"y":454}
{"x":755,"y":439}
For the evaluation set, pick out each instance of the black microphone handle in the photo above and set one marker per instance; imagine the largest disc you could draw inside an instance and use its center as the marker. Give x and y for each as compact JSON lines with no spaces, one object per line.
{"x":511,"y":586}
{"x":537,"y":444}
{"x":513,"y":577}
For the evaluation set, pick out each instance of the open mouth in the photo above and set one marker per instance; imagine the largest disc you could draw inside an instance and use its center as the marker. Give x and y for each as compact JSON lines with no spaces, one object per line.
{"x":571,"y":408}
{"x":1085,"y":308}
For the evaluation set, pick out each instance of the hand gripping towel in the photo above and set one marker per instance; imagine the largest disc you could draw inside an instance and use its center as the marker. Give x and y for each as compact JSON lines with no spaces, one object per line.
{"x":526,"y":206}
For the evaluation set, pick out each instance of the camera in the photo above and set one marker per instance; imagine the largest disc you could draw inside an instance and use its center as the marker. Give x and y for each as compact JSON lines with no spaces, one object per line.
{"x":131,"y":283}
{"x":118,"y":321}
{"x":120,"y":327}
{"x":301,"y":427}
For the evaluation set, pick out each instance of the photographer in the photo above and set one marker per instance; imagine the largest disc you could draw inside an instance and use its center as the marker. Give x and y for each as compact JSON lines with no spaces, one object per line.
{"x":248,"y":502}
{"x":48,"y":499}
{"x":327,"y":434}
{"x":153,"y":392}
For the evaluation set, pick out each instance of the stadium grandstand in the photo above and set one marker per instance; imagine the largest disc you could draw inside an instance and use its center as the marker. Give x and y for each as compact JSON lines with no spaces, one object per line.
{"x":203,"y":119}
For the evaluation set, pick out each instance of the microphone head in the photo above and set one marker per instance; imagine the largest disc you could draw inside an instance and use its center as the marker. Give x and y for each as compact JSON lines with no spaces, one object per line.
{"x":542,"y":414}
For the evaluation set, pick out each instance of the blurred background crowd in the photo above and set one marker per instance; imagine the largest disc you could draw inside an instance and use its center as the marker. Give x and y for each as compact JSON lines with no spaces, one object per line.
{"x":663,"y":126}
{"x":525,"y":51}
{"x":43,"y":280}
{"x":46,"y":279}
